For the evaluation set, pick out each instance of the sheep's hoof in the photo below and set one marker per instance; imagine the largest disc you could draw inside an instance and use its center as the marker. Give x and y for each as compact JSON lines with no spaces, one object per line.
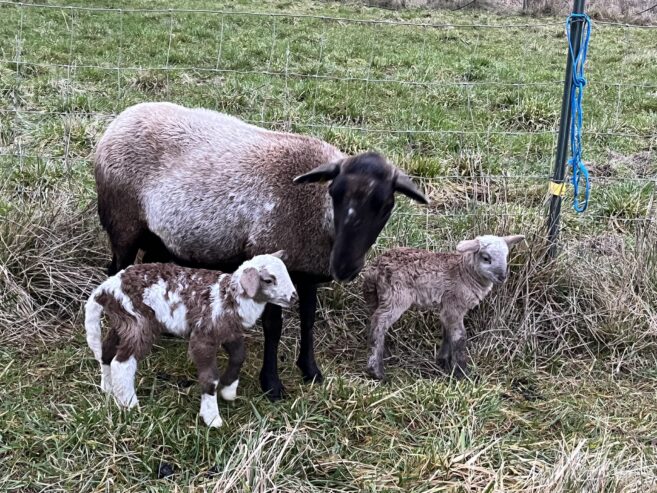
{"x":310,"y":372}
{"x":316,"y":378}
{"x":272,"y":387}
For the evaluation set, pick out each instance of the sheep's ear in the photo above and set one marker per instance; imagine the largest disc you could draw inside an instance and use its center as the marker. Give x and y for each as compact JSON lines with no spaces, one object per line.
{"x":468,"y":246}
{"x":513,"y":240}
{"x":281,"y":254}
{"x":403,"y":184}
{"x":250,"y":280}
{"x":325,"y":172}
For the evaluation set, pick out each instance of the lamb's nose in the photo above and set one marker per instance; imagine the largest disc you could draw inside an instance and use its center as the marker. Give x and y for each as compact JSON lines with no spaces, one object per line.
{"x":294,"y":297}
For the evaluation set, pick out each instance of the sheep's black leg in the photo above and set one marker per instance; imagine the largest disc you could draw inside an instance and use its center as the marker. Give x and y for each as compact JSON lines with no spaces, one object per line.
{"x":272,"y":325}
{"x":123,"y":255}
{"x":307,"y":307}
{"x":154,"y":250}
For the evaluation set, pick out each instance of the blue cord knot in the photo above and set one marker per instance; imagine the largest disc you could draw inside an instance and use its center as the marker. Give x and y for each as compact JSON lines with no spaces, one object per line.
{"x":579,"y":171}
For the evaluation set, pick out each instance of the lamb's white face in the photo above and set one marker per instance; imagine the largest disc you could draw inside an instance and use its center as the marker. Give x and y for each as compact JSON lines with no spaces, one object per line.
{"x":275,"y":283}
{"x":491,"y":259}
{"x":490,"y":255}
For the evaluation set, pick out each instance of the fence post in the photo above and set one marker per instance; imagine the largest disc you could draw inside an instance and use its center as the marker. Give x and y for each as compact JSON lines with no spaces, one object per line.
{"x":559,"y":173}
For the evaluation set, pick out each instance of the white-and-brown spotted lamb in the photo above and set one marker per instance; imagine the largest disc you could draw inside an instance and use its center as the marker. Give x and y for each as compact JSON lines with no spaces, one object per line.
{"x":208,"y":307}
{"x":452,"y":283}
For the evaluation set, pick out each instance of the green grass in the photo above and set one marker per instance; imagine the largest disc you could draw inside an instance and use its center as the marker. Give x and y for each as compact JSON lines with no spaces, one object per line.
{"x":563,"y":390}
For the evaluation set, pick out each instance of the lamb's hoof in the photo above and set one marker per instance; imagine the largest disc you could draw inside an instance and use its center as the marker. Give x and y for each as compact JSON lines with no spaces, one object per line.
{"x":229,"y":392}
{"x":451,"y":370}
{"x":375,"y":367}
{"x":106,"y":378}
{"x":214,"y":422}
{"x":128,"y":404}
{"x":272,"y":387}
{"x":310,"y":373}
{"x":376,"y":372}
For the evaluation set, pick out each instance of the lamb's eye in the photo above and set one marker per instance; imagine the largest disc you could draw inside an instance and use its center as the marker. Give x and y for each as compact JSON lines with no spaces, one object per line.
{"x":485,"y":257}
{"x":268,"y":281}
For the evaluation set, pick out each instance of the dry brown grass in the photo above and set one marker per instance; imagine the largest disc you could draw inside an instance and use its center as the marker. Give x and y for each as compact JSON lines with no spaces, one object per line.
{"x":630,"y":11}
{"x":50,"y":257}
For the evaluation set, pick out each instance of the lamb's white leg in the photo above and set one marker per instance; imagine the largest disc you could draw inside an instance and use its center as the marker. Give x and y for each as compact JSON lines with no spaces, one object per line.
{"x":106,"y":378}
{"x":229,"y":392}
{"x":123,"y":382}
{"x":210,"y":410}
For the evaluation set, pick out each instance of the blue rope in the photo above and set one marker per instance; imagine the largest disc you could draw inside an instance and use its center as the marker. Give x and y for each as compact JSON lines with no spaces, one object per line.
{"x":579,"y":171}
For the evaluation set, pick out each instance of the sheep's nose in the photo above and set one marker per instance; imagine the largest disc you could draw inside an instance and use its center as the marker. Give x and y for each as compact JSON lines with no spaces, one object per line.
{"x":294,"y":297}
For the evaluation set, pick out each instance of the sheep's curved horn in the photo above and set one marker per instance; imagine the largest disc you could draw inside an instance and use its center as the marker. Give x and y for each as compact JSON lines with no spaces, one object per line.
{"x":325,"y":172}
{"x":404,"y":185}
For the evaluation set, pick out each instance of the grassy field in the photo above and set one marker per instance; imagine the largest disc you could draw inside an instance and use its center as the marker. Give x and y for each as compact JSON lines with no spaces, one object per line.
{"x":563,"y":392}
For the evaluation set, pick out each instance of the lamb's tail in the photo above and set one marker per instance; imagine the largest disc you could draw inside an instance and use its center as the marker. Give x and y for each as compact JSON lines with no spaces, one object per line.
{"x":92,"y":315}
{"x":369,"y":290}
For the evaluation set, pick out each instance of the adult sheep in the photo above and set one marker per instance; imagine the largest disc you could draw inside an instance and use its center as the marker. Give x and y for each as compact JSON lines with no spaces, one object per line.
{"x":205,"y":189}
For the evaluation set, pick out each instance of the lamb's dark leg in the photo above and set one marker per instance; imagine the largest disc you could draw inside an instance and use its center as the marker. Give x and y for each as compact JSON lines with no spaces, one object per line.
{"x":272,"y":325}
{"x":203,"y":351}
{"x":452,"y":355}
{"x":445,"y":348}
{"x":230,"y":378}
{"x":307,"y":308}
{"x":382,"y":319}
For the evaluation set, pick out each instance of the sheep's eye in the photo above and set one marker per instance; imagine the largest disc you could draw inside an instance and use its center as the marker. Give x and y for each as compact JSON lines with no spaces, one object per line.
{"x":268,"y":281}
{"x":486,"y":258}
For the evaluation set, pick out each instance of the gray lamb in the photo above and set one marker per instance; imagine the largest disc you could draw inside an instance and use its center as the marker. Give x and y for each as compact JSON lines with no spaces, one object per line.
{"x":452,"y":283}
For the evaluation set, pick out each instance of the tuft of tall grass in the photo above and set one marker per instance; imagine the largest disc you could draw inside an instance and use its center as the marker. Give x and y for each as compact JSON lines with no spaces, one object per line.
{"x":50,"y":257}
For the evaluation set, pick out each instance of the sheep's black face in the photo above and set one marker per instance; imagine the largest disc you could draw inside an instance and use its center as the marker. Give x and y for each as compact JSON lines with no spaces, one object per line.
{"x":362,"y":205}
{"x":363,"y":193}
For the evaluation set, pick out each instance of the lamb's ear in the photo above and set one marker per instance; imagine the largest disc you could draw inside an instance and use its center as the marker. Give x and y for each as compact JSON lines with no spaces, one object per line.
{"x":281,"y":254}
{"x":513,"y":240}
{"x":250,"y":280}
{"x":468,"y":246}
{"x":403,"y":184}
{"x":325,"y":172}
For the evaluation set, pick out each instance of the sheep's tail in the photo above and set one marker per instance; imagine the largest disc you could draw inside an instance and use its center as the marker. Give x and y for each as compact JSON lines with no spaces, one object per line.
{"x":92,"y":314}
